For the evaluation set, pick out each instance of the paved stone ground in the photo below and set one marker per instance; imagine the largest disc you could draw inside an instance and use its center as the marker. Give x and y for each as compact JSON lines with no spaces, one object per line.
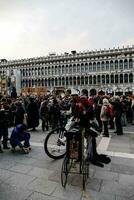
{"x":35,"y":176}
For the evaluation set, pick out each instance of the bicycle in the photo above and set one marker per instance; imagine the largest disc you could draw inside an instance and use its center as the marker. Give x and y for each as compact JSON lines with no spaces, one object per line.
{"x":55,"y":143}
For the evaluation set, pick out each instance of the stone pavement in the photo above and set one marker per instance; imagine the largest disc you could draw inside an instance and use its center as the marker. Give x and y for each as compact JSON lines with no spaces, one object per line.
{"x":35,"y":176}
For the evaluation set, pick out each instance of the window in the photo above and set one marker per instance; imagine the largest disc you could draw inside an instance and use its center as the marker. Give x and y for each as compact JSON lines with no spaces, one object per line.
{"x":82,"y":67}
{"x":125,"y":64}
{"x":116,"y":65}
{"x":112,"y":78}
{"x":116,"y":78}
{"x":121,"y":78}
{"x":102,"y":66}
{"x":107,"y":66}
{"x":86,"y":67}
{"x":126,"y":78}
{"x":90,"y":80}
{"x":111,"y":65}
{"x":78,"y":68}
{"x":90,"y":67}
{"x":94,"y":67}
{"x":98,"y":66}
{"x":98,"y":79}
{"x":107,"y":78}
{"x":130,"y":78}
{"x":121,"y":64}
{"x":130,"y":64}
{"x":94,"y":80}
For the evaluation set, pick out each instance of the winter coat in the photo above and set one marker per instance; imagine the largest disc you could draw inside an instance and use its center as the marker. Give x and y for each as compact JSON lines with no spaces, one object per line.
{"x":104,"y":113}
{"x":32,"y":115}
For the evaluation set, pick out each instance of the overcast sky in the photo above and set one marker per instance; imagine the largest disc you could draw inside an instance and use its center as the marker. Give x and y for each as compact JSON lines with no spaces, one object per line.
{"x":33,"y":28}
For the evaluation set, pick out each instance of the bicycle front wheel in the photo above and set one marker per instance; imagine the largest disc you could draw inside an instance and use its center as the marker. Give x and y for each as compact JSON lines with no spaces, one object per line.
{"x":55,"y":143}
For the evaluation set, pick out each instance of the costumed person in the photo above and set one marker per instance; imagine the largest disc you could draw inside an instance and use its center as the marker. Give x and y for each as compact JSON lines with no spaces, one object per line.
{"x":32,"y":114}
{"x":21,"y":138}
{"x":84,"y":114}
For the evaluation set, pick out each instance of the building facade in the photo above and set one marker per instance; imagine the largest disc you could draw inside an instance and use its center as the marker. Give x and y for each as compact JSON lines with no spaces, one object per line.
{"x":111,"y":71}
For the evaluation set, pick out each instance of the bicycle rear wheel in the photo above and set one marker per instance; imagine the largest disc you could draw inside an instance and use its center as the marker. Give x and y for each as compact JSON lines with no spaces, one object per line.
{"x":55,"y":143}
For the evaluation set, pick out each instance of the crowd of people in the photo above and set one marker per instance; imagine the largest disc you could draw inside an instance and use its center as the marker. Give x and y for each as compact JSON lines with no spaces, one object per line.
{"x":110,"y":112}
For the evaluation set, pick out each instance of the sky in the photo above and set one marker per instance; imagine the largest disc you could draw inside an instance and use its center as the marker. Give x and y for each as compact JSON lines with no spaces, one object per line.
{"x":34,"y":28}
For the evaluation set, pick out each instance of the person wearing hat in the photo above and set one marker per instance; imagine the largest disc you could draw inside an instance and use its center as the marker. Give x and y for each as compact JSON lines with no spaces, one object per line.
{"x":104,"y":117}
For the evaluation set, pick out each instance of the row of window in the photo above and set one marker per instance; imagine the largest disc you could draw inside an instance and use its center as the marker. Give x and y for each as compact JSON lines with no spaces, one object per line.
{"x":74,"y":81}
{"x":79,"y":68}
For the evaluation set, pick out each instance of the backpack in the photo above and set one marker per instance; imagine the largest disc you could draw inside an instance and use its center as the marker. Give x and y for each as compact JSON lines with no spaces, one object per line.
{"x":110,"y":113}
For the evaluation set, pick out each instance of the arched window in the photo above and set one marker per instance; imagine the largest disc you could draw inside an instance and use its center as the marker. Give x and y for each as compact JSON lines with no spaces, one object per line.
{"x":45,"y":70}
{"x":52,"y":82}
{"x":59,"y":81}
{"x":90,"y":67}
{"x":86,"y":67}
{"x":94,"y":67}
{"x":112,"y":78}
{"x":121,"y":64}
{"x":86,"y":80}
{"x":49,"y":82}
{"x":42,"y":82}
{"x":125,"y":64}
{"x":78,"y":68}
{"x":82,"y":67}
{"x":82,"y":80}
{"x":98,"y":66}
{"x":116,"y":78}
{"x":111,"y":65}
{"x":74,"y":68}
{"x":66,"y":81}
{"x":42,"y":71}
{"x":63,"y":69}
{"x":39,"y":71}
{"x":98,"y":79}
{"x":59,"y":70}
{"x":74,"y":80}
{"x":70,"y":81}
{"x":116,"y":65}
{"x":63,"y":81}
{"x":90,"y":80}
{"x":38,"y":82}
{"x":94,"y":80}
{"x":46,"y":82}
{"x":130,"y":78}
{"x":126,"y":78}
{"x":103,"y":79}
{"x":67,"y":71}
{"x":107,"y":66}
{"x":56,"y":82}
{"x":52,"y":70}
{"x":30,"y":83}
{"x":49,"y":71}
{"x":107,"y":78}
{"x":78,"y":80}
{"x":130,"y":64}
{"x":102,"y":66}
{"x":27,"y":83}
{"x":35,"y":83}
{"x":121,"y":78}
